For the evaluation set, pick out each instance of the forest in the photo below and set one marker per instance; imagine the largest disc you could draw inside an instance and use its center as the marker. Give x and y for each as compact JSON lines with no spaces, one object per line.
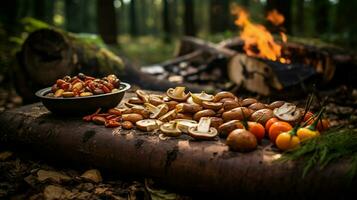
{"x":129,"y":22}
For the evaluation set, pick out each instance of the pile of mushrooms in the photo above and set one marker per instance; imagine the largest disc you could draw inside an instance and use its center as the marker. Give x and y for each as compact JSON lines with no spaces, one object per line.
{"x":200,"y":115}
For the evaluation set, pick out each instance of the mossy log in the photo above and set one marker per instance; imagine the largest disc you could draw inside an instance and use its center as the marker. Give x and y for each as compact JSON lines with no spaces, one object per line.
{"x":199,"y":167}
{"x":49,"y":54}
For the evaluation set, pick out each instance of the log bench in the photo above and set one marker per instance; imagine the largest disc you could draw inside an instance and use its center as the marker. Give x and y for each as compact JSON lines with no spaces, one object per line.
{"x":182,"y":164}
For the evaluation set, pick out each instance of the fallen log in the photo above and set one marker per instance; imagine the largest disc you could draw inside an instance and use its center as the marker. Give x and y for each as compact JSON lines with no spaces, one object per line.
{"x":205,"y":167}
{"x":49,"y":54}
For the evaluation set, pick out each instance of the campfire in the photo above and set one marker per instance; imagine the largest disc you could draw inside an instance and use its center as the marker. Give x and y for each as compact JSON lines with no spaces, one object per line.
{"x":255,"y":61}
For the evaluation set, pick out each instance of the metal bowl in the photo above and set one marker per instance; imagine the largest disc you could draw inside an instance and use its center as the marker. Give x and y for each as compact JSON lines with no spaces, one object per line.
{"x":81,"y":105}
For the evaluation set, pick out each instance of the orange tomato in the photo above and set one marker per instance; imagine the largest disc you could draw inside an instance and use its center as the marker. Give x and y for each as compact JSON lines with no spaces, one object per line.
{"x":257,"y":129}
{"x":270,"y":122}
{"x":277,"y":128}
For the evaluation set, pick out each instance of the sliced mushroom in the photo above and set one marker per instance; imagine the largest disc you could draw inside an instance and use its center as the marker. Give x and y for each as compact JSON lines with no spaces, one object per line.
{"x":170,"y":129}
{"x":155,"y":100}
{"x":200,"y":97}
{"x":168,"y":116}
{"x":203,"y":131}
{"x":142,"y":95}
{"x":185,"y":124}
{"x":222,"y":95}
{"x":157,"y":111}
{"x":177,"y":94}
{"x":212,"y":105}
{"x":190,"y":101}
{"x":148,"y":124}
{"x":288,"y":112}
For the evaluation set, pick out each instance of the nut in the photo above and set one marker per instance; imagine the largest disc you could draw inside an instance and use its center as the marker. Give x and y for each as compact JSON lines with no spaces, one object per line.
{"x":212,"y":105}
{"x":256,"y":106}
{"x":203,"y":113}
{"x":248,"y":101}
{"x":223,"y":94}
{"x":216,"y":122}
{"x":228,"y":127}
{"x":127,"y":125}
{"x":230,"y":104}
{"x":98,"y":120}
{"x":262,"y":115}
{"x":188,"y":108}
{"x":132,"y":117}
{"x":237,"y":113}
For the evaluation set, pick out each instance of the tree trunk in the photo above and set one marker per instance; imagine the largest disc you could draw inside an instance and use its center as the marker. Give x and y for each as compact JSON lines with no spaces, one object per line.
{"x":44,"y":10}
{"x":204,"y":168}
{"x":166,"y":21}
{"x":321,"y":15}
{"x":300,"y":17}
{"x":73,"y":20}
{"x":189,"y":20}
{"x":107,"y":22}
{"x":283,"y":7}
{"x":133,"y":21}
{"x":49,"y":54}
{"x":219,"y":15}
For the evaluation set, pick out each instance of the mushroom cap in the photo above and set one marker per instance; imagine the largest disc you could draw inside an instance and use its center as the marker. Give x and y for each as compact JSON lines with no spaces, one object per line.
{"x":159,"y":111}
{"x":210,"y":134}
{"x":170,"y":129}
{"x":200,"y":97}
{"x":142,"y":95}
{"x":288,"y":112}
{"x":177,"y":93}
{"x":148,"y":124}
{"x":203,"y":130}
{"x":168,"y":116}
{"x":184,"y":124}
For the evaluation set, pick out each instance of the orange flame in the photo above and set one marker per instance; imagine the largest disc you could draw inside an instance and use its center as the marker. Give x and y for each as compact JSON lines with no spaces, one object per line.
{"x":258,"y":41}
{"x":275,"y":17}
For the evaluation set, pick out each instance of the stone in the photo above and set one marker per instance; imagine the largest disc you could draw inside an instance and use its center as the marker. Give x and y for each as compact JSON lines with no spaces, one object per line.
{"x":92,"y":175}
{"x":53,"y":192}
{"x":57,"y":177}
{"x":5,"y":155}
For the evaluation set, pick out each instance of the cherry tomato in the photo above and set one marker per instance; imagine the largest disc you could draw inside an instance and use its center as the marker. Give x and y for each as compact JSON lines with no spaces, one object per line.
{"x":277,"y":128}
{"x":270,"y":122}
{"x":257,"y":129}
{"x":306,"y":133}
{"x":286,"y":141}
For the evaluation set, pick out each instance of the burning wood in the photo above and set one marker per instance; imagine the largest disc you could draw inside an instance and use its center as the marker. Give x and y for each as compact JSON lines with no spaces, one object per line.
{"x":256,"y":62}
